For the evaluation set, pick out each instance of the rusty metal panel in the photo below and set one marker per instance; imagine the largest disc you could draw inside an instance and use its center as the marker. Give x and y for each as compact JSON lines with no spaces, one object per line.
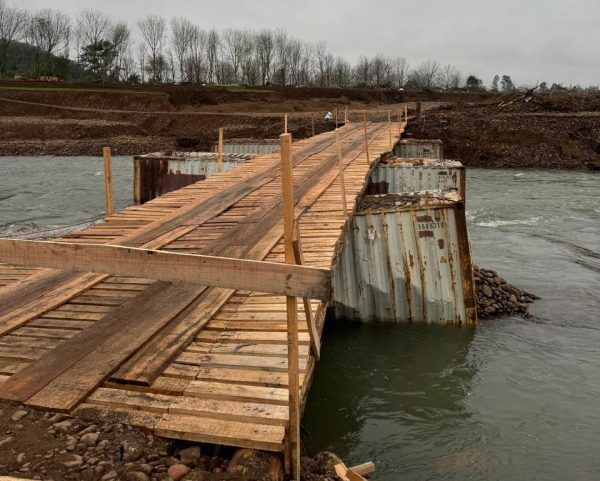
{"x":248,"y":148}
{"x":407,"y":258}
{"x":158,"y":173}
{"x":419,"y":148}
{"x":396,"y":175}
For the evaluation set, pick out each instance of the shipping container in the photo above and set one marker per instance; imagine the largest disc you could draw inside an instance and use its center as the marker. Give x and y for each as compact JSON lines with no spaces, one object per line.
{"x":394,"y":175}
{"x":407,"y":258}
{"x":419,"y":148}
{"x":258,"y":148}
{"x":158,"y":173}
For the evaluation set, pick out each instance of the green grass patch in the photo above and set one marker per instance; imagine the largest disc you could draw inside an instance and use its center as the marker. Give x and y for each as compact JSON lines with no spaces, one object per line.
{"x":247,"y":90}
{"x":81,"y":90}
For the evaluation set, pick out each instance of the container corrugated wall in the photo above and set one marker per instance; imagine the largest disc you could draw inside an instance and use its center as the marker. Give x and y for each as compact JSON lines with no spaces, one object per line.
{"x":241,"y":148}
{"x":419,"y":148}
{"x":156,"y":174}
{"x":396,"y":176}
{"x":409,"y":263}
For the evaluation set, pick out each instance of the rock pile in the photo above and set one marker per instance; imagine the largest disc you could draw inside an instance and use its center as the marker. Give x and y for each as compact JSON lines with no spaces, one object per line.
{"x":496,"y":297}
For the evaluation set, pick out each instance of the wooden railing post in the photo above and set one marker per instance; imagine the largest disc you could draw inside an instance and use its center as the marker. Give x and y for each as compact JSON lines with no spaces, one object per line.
{"x":108,"y":192}
{"x":419,"y":109}
{"x":336,"y":116}
{"x":285,"y":124}
{"x":341,"y":170}
{"x":399,"y":122}
{"x":312,"y":122}
{"x":366,"y":138}
{"x":405,"y":114}
{"x":292,"y":315}
{"x":220,"y":152}
{"x":346,"y":115}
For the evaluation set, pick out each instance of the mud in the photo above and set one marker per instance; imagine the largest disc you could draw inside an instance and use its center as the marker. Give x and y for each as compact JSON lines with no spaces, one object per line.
{"x":560,"y":131}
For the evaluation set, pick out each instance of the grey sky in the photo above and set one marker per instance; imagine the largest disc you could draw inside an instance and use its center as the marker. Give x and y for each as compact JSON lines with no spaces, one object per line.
{"x":532,"y":40}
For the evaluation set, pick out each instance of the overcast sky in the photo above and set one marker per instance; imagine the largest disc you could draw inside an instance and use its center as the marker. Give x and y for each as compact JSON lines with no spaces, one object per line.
{"x":531,"y":40}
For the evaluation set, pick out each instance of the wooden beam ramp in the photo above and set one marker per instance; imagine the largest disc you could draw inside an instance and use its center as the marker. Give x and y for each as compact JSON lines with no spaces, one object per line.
{"x":187,"y":346}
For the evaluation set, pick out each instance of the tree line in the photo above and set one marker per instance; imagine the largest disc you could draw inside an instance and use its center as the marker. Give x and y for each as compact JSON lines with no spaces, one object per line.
{"x":179,"y":51}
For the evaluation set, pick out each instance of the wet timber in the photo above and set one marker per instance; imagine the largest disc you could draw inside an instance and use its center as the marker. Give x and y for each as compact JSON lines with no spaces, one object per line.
{"x":205,"y":364}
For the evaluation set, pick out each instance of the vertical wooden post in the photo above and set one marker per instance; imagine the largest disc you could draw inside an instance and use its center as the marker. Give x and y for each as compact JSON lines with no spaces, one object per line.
{"x":292,"y":316}
{"x":405,"y":114}
{"x":285,"y":124}
{"x":336,"y":117}
{"x":399,"y":122}
{"x":390,"y":128}
{"x":341,"y":170}
{"x":419,"y":109}
{"x":346,"y":115}
{"x":366,"y":138}
{"x":312,"y":122}
{"x":108,"y":193}
{"x":220,"y":152}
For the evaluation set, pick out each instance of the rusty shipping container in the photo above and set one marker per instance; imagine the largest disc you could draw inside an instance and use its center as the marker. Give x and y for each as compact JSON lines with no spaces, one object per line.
{"x":257,"y":148}
{"x":158,"y":173}
{"x":407,"y":258}
{"x":419,"y":148}
{"x":395,"y":175}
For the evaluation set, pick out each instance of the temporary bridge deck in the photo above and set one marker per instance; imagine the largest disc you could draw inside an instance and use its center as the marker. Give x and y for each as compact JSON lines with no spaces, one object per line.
{"x":207,"y":364}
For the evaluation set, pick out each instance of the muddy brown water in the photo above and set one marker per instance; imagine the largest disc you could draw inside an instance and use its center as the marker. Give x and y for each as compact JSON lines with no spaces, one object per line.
{"x":512,"y":399}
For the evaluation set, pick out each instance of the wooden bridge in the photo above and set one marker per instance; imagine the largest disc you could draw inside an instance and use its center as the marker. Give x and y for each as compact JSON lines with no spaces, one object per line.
{"x":190,"y":348}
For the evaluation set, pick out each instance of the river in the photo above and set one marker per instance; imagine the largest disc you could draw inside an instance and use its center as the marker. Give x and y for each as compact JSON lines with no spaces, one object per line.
{"x":512,"y":399}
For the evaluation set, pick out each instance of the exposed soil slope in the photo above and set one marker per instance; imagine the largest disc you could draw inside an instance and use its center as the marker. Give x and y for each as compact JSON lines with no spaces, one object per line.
{"x":560,"y":131}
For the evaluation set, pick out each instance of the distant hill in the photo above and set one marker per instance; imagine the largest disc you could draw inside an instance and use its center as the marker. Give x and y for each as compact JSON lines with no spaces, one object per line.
{"x":23,"y":59}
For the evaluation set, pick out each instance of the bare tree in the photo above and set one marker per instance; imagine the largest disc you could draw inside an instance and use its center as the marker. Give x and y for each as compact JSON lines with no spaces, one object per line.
{"x":141,"y":55}
{"x":234,"y":44}
{"x":449,"y":77}
{"x":264,"y":53}
{"x":49,"y":31}
{"x":362,"y":72}
{"x":426,"y":73}
{"x":342,"y":73}
{"x":91,"y":27}
{"x":12,"y":26}
{"x":120,"y":37}
{"x":282,"y":53}
{"x":182,"y":32}
{"x":321,"y":54}
{"x":196,"y":61}
{"x":212,"y":48}
{"x":153,"y":29}
{"x":400,"y":69}
{"x":381,"y":68}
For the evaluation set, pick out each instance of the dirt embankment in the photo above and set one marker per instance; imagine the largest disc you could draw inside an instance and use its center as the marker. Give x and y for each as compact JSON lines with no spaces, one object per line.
{"x":79,"y":119}
{"x":553,"y":131}
{"x":39,"y":118}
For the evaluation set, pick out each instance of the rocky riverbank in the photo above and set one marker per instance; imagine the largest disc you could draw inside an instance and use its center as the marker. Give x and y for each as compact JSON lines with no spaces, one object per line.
{"x":94,"y":447}
{"x":496,"y":297}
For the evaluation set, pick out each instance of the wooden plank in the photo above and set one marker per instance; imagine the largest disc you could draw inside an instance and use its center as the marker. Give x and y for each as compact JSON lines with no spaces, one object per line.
{"x":213,"y":271}
{"x":32,"y":288}
{"x":230,"y":433}
{"x":240,"y":392}
{"x":145,"y":316}
{"x":154,"y":303}
{"x":70,"y":286}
